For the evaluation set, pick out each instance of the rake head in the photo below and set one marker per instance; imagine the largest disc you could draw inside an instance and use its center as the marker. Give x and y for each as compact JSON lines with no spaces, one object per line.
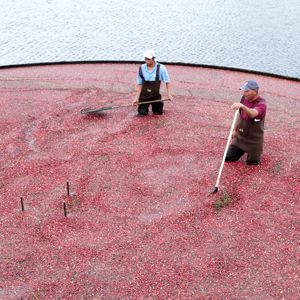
{"x":215,"y":190}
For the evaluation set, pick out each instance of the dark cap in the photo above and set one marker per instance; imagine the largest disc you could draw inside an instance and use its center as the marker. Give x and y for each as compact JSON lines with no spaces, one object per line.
{"x":249,"y":85}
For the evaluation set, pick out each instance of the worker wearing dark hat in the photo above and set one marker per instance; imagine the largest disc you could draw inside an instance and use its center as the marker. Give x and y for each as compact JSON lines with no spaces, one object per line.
{"x":149,"y":78}
{"x":248,"y":136}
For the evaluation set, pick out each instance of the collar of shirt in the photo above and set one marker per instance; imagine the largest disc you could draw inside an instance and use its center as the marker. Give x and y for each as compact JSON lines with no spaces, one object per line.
{"x":149,"y":75}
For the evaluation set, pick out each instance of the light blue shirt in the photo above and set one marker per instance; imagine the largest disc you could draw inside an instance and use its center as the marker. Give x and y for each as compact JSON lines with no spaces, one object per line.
{"x":150,"y":76}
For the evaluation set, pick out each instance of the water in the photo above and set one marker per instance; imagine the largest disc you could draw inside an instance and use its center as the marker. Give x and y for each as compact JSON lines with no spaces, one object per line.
{"x":261,"y":35}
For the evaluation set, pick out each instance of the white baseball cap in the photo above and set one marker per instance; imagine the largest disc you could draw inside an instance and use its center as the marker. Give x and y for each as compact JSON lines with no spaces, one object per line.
{"x":149,"y":54}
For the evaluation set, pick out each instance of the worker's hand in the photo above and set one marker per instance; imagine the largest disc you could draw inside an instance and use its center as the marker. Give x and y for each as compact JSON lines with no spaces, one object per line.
{"x":237,"y":105}
{"x":170,"y":97}
{"x":135,"y":101}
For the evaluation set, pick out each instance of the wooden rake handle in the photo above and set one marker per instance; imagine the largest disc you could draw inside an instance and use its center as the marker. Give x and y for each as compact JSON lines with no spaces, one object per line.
{"x":226,"y":149}
{"x":87,"y":111}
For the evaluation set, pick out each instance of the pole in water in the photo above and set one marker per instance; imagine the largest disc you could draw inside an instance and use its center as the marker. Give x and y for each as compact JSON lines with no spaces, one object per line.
{"x":68,"y":188}
{"x":65,"y":209}
{"x":22,"y":204}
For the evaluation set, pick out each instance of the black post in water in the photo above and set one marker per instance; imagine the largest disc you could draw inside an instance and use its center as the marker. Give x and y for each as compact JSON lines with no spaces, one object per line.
{"x":65,"y":209}
{"x":22,"y":204}
{"x":68,"y":188}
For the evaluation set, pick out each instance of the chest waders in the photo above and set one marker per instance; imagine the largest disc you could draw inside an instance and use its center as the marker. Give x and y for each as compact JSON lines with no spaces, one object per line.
{"x":150,"y":92}
{"x":250,"y":136}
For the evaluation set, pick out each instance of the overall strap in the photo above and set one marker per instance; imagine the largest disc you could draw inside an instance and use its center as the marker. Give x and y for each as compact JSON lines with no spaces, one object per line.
{"x":157,"y":72}
{"x":156,"y":76}
{"x":141,"y":73}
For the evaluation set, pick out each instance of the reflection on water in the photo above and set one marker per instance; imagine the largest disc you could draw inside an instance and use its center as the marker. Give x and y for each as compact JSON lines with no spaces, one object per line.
{"x":260,"y":35}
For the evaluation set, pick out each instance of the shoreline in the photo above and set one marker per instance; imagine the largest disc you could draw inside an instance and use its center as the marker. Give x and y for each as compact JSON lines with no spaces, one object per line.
{"x":217,"y":67}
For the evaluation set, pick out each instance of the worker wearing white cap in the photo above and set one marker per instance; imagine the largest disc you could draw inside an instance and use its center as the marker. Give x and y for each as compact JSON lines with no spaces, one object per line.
{"x":149,"y":78}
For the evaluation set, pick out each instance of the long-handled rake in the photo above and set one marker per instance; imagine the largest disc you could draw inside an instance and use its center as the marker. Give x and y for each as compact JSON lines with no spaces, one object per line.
{"x":96,"y":110}
{"x":225,"y":152}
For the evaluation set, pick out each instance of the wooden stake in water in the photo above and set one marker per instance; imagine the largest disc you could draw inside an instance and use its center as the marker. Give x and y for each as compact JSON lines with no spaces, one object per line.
{"x":22,"y":204}
{"x":68,"y":188}
{"x":65,"y":209}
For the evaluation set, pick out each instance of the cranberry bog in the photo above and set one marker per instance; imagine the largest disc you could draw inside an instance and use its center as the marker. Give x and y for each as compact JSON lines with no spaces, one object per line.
{"x":140,"y":221}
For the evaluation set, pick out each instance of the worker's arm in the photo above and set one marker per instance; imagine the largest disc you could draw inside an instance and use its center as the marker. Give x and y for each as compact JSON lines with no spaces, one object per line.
{"x":252,"y":112}
{"x":169,"y":91}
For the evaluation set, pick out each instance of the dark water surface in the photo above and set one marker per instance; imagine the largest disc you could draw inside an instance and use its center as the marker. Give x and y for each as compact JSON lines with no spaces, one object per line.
{"x":261,"y":35}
